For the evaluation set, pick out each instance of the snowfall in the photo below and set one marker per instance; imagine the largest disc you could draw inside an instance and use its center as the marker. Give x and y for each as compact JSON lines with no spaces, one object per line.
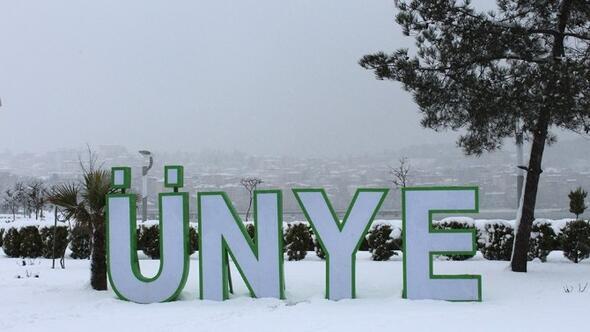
{"x":62,"y":300}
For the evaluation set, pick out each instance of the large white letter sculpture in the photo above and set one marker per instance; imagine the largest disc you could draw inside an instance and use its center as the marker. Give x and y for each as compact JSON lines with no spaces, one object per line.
{"x":340,"y":240}
{"x":123,"y":265}
{"x":422,"y":242}
{"x":221,"y":232}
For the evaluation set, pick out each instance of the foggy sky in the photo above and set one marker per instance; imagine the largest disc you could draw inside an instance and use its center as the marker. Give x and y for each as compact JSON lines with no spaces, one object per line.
{"x":260,"y":76}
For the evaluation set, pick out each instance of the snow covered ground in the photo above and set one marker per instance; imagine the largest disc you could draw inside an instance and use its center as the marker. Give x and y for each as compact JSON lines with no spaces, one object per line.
{"x":61,"y":300}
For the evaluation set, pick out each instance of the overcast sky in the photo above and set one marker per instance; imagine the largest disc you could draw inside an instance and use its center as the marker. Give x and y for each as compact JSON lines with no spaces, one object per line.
{"x":260,"y":76}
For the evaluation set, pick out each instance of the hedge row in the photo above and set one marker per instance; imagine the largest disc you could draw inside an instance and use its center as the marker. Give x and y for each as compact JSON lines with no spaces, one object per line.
{"x":32,"y":241}
{"x":494,"y":240}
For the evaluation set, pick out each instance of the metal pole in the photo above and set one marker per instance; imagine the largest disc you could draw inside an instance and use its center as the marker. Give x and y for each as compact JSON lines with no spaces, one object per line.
{"x":54,"y":238}
{"x":144,"y":189}
{"x":144,"y":193}
{"x":519,"y":163}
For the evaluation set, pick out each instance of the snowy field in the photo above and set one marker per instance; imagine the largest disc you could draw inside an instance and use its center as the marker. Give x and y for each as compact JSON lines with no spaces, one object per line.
{"x":61,"y":300}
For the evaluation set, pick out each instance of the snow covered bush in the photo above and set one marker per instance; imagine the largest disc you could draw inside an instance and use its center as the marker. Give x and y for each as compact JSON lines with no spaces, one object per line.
{"x":11,"y":243}
{"x":251,"y":229}
{"x":496,"y":241}
{"x":319,"y":251}
{"x":575,"y":240}
{"x":193,"y":241}
{"x":458,"y":223}
{"x":138,"y":240}
{"x":364,"y":244}
{"x":30,"y":242}
{"x":61,"y":242}
{"x":150,"y":239}
{"x":1,"y":237}
{"x":543,"y":240}
{"x":79,"y":242}
{"x":383,"y":239}
{"x":298,"y":240}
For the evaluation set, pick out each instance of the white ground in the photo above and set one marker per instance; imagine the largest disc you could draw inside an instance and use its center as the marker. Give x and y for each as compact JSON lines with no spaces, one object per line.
{"x":61,"y":300}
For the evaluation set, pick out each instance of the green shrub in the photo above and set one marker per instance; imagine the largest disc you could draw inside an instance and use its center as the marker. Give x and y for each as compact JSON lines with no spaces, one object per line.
{"x":458,"y":224}
{"x":150,"y":237}
{"x":297,"y":241}
{"x":30,"y":242}
{"x":11,"y":243}
{"x":251,"y":229}
{"x":319,"y":251}
{"x":496,"y":242}
{"x":139,"y":239}
{"x":193,"y":243}
{"x":364,"y":244}
{"x":543,"y":240}
{"x":382,"y":242}
{"x":80,"y":241}
{"x":61,"y":242}
{"x":575,"y":240}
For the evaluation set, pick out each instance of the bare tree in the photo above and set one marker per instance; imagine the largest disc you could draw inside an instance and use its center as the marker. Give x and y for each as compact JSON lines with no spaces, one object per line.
{"x":250,"y":183}
{"x":37,"y":197}
{"x":10,"y":202}
{"x":400,"y":174}
{"x":22,"y":197}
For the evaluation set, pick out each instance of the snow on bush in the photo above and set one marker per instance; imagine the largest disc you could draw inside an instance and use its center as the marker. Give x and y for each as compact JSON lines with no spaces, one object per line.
{"x":79,"y":239}
{"x":31,"y":245}
{"x":543,"y":240}
{"x":11,"y":243}
{"x":47,"y":239}
{"x":457,"y":223}
{"x":148,"y":239}
{"x":298,"y":240}
{"x":496,"y":240}
{"x":383,"y":239}
{"x":575,"y":240}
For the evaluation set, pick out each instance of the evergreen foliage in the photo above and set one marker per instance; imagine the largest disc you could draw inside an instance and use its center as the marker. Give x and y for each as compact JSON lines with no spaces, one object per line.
{"x":543,"y":241}
{"x":497,"y":243}
{"x":483,"y":72}
{"x":193,"y":241}
{"x":150,"y":238}
{"x":577,"y":204}
{"x":456,"y":224}
{"x":251,"y":229}
{"x":31,"y":245}
{"x":575,"y":240}
{"x":11,"y":243}
{"x":382,"y":244}
{"x":79,"y":239}
{"x":297,"y":241}
{"x":61,"y":242}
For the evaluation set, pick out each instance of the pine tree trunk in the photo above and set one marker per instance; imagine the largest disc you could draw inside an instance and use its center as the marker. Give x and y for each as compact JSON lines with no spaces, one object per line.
{"x":98,"y":265}
{"x":529,"y":200}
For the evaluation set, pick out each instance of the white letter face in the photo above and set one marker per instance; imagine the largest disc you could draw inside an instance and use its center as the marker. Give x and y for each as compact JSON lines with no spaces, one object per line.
{"x":221,"y":232}
{"x":340,"y":241}
{"x":124,"y":272}
{"x":421,"y":242}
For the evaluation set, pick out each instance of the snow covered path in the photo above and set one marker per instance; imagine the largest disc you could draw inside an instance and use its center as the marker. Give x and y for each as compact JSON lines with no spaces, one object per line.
{"x":61,"y":300}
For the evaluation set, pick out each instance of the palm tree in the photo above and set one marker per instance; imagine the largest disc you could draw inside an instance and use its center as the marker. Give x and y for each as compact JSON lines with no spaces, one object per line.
{"x":86,"y":202}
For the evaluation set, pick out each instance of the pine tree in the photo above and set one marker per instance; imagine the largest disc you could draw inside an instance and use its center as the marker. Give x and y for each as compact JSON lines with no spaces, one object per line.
{"x":577,"y":204}
{"x":526,"y":62}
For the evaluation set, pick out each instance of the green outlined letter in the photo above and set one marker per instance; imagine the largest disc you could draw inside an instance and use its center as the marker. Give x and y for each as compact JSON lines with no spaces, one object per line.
{"x":221,"y":232}
{"x":123,"y":265}
{"x":422,"y":242}
{"x":340,"y":240}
